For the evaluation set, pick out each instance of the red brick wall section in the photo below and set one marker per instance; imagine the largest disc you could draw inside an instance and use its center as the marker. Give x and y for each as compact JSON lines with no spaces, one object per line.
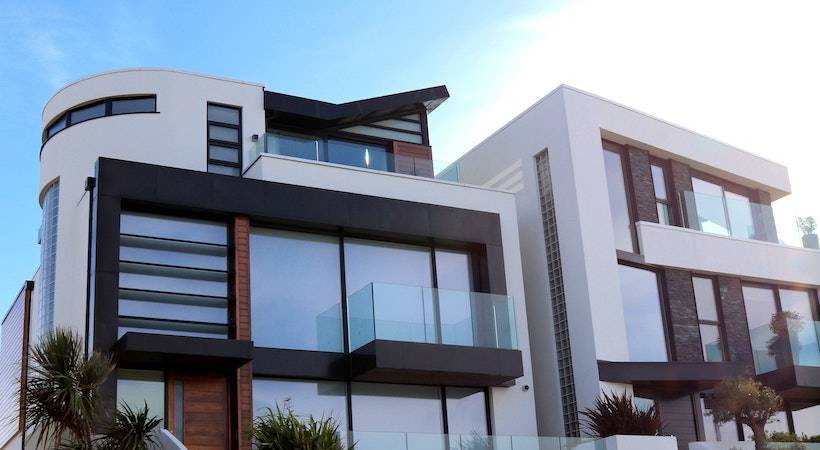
{"x":413,"y":159}
{"x":242,"y":315}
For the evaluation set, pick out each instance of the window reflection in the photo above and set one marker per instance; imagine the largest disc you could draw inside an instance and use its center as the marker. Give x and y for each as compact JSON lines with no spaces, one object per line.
{"x":619,"y":207}
{"x":642,"y":315}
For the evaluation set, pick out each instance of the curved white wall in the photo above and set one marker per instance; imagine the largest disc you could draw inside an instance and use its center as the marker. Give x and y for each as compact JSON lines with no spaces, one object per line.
{"x":175,"y":136}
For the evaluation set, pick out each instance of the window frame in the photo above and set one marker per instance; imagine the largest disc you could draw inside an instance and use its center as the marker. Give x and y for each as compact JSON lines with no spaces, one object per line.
{"x":671,"y":206}
{"x":107,"y":101}
{"x":629,"y":190}
{"x":666,"y":321}
{"x":720,"y":323}
{"x":218,"y":142}
{"x":726,"y":186}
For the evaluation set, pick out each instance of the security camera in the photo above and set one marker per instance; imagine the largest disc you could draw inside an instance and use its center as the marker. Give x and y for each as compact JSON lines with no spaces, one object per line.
{"x":525,"y":387}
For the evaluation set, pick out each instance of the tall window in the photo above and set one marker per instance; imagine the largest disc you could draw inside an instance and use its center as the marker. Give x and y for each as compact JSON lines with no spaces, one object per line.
{"x":761,"y":306}
{"x":645,"y":334}
{"x":48,"y":258}
{"x":622,"y":224}
{"x":224,"y":139}
{"x":139,"y":387}
{"x":295,"y":290}
{"x":397,"y":408}
{"x":320,"y":399}
{"x":662,"y":202}
{"x":708,"y":319}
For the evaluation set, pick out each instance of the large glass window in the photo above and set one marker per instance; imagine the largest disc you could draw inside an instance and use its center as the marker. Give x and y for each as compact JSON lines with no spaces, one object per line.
{"x":101,"y":108}
{"x":295,"y":290}
{"x":397,"y":408}
{"x":173,"y":276}
{"x":715,"y":431}
{"x":708,"y":319}
{"x":466,"y":411}
{"x":807,"y":421}
{"x":642,"y":314}
{"x":798,"y":302}
{"x":320,"y":399}
{"x":618,"y":203}
{"x":87,"y":113}
{"x":760,"y":306}
{"x":137,"y":388}
{"x":456,"y":308}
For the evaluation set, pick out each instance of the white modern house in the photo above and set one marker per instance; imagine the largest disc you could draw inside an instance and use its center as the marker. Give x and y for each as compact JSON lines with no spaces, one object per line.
{"x":237,"y":248}
{"x":651,"y":264}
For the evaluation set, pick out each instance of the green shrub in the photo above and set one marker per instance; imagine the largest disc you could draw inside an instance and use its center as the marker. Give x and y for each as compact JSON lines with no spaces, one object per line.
{"x":284,"y":430}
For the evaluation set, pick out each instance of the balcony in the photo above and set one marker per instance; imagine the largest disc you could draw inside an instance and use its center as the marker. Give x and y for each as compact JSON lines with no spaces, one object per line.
{"x":787,"y":356}
{"x":349,"y":153}
{"x":728,"y":215}
{"x":411,"y":334}
{"x":428,"y":441}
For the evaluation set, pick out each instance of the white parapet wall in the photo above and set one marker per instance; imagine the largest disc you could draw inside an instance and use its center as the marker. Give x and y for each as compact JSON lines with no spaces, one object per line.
{"x":623,"y":442}
{"x":749,"y":445}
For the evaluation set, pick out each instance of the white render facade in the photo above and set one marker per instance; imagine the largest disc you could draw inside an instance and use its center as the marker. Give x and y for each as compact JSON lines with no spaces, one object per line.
{"x":587,"y":237}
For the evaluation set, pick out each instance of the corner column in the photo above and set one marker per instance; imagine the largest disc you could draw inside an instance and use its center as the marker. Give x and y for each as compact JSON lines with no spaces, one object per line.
{"x":242,"y":326}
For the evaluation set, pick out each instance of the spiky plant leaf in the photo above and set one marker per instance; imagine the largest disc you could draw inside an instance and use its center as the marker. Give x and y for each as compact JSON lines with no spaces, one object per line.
{"x":616,"y":414}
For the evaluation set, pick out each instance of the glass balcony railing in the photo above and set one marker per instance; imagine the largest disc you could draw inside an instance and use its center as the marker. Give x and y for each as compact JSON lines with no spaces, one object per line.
{"x":349,"y":153}
{"x":728,"y":215}
{"x":435,"y":316}
{"x":795,"y":343}
{"x":424,"y":441}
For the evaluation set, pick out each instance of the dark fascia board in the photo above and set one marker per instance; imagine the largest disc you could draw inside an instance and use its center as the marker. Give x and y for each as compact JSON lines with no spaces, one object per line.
{"x":332,"y":113}
{"x":638,"y":372}
{"x":159,"y":350}
{"x":435,"y":364}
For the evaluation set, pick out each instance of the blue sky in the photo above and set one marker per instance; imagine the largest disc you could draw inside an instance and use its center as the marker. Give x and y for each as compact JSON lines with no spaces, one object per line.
{"x":706,"y":65}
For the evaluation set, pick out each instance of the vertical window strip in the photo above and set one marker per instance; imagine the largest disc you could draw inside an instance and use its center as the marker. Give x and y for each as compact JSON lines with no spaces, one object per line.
{"x":220,"y":125}
{"x":558,"y":299}
{"x":48,"y":259}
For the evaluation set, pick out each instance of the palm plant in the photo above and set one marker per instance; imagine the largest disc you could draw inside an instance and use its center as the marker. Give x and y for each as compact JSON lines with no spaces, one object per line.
{"x":62,"y":390}
{"x":282,"y":429}
{"x":616,"y":414}
{"x":130,"y":429}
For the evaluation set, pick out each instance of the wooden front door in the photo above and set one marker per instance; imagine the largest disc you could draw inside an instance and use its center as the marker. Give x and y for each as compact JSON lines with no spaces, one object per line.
{"x":202,"y":423}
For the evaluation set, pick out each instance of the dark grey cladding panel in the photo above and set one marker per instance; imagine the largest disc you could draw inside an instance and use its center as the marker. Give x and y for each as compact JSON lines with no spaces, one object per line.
{"x":157,"y":350}
{"x":436,"y":364}
{"x":298,"y":205}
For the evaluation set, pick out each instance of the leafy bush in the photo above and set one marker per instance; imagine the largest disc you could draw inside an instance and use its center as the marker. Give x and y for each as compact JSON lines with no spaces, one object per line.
{"x":616,"y":414}
{"x":280,"y":430}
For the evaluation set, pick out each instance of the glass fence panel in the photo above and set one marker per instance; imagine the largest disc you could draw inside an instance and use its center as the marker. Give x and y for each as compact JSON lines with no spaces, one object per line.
{"x":728,"y":214}
{"x":349,"y":153}
{"x":361,"y":321}
{"x":427,"y":441}
{"x":415,"y":314}
{"x":763,"y":349}
{"x":805,"y":342}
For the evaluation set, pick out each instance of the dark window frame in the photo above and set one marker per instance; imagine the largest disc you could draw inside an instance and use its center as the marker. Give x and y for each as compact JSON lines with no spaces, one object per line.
{"x":666,"y":320}
{"x":213,"y":141}
{"x":107,"y":101}
{"x":720,"y":323}
{"x":629,"y":189}
{"x":671,"y":206}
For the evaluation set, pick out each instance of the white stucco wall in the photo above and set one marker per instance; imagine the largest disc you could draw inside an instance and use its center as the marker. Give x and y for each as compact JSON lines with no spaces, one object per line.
{"x":175,"y":136}
{"x":512,"y":407}
{"x":711,"y":253}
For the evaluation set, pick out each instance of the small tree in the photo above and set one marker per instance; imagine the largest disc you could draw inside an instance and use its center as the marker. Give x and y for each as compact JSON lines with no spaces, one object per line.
{"x":748,"y":402}
{"x":62,"y":395}
{"x":62,"y":389}
{"x":616,"y":414}
{"x":806,"y":225}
